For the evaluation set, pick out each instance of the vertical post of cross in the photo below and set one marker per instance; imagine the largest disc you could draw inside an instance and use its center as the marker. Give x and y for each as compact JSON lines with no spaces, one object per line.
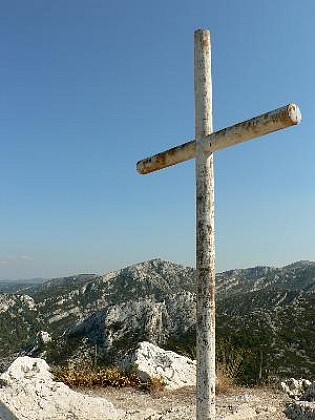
{"x":205,"y":251}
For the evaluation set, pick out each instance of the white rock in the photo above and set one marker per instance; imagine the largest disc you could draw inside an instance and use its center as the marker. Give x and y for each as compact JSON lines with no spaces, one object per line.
{"x":151,"y":361}
{"x":295,"y":388}
{"x":29,"y":392}
{"x":44,"y":336}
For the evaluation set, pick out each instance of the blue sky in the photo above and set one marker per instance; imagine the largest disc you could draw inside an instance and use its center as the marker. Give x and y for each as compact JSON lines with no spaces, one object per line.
{"x":88,"y":88}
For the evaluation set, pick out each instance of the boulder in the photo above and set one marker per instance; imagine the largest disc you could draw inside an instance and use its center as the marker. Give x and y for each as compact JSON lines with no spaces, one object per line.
{"x":29,"y":391}
{"x":150,"y":361}
{"x":295,"y":388}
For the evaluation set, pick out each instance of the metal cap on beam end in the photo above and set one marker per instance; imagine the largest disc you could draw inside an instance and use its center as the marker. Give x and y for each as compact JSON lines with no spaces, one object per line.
{"x":294,"y":114}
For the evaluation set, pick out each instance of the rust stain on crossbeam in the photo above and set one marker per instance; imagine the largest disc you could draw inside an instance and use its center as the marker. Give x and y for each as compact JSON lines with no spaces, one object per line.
{"x":261,"y":125}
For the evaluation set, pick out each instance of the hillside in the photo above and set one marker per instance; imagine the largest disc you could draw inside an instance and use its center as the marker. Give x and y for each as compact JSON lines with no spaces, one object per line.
{"x":265,"y":317}
{"x":13,"y":286}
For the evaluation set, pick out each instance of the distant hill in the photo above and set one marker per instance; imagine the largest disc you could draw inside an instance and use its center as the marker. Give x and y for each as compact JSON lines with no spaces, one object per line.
{"x":265,"y":316}
{"x":12,"y":286}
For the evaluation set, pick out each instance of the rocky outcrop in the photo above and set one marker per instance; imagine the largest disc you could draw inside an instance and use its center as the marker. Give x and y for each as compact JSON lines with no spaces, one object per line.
{"x":30,"y":392}
{"x":296,"y":388}
{"x":150,"y":361}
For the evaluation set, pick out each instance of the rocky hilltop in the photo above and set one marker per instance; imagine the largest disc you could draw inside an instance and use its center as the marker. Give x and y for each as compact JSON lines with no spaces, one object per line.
{"x":265,"y":317}
{"x":30,"y":391}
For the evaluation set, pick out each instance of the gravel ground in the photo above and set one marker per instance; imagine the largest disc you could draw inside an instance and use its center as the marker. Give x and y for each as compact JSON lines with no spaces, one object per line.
{"x":242,"y":404}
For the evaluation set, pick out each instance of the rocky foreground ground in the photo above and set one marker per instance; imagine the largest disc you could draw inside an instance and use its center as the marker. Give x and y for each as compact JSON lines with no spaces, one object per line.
{"x":30,"y":392}
{"x":239,"y":404}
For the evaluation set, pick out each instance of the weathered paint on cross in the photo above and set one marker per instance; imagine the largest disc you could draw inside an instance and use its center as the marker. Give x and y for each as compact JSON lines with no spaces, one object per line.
{"x":205,"y":251}
{"x":202,"y":149}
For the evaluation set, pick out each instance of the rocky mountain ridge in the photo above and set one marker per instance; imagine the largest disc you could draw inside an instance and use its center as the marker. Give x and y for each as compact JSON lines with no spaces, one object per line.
{"x":265,"y":316}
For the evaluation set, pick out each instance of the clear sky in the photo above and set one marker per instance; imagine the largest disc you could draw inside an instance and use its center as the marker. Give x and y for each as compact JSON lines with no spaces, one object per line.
{"x":89,"y":87}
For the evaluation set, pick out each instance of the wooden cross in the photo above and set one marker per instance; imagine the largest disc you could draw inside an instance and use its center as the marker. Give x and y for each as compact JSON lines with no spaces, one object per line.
{"x":206,"y":142}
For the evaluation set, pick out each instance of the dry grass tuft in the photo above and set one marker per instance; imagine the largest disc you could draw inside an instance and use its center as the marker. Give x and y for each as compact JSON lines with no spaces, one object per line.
{"x":156,"y":385}
{"x":228,"y":369}
{"x":224,"y":383}
{"x":107,"y":377}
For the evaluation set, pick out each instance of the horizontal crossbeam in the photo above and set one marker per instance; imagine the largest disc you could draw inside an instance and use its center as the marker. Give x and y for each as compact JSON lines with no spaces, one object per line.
{"x":269,"y":122}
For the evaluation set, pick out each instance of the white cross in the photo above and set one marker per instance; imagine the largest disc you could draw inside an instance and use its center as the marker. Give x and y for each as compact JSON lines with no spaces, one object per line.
{"x":206,"y":142}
